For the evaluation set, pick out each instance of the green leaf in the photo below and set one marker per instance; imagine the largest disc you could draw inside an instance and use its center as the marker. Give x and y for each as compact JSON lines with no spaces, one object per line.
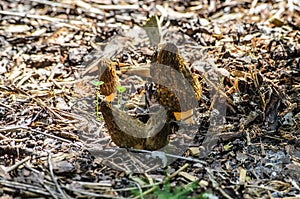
{"x":121,"y":89}
{"x":97,"y":83}
{"x":227,"y":147}
{"x":100,"y":118}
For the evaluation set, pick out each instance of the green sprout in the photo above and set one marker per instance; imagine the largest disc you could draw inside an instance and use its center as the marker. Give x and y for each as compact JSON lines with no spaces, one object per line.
{"x":97,"y":84}
{"x":120,"y":89}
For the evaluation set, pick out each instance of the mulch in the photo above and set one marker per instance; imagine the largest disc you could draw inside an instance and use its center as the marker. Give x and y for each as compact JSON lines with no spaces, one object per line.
{"x":247,"y":58}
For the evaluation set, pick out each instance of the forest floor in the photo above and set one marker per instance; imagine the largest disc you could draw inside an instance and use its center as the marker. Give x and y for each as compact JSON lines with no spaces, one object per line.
{"x":245,"y":53}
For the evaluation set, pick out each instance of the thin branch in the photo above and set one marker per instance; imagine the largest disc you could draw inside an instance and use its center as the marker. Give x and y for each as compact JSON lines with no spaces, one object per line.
{"x":16,"y":127}
{"x":54,"y":178}
{"x":171,"y":156}
{"x":66,"y":22}
{"x":17,"y":164}
{"x":23,"y":186}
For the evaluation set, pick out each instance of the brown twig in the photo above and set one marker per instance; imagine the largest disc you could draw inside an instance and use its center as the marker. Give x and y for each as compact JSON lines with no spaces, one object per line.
{"x":216,"y":184}
{"x":23,"y":186}
{"x":171,"y":156}
{"x":15,"y":127}
{"x":65,"y":22}
{"x":17,"y":164}
{"x":216,"y":88}
{"x":54,"y":179}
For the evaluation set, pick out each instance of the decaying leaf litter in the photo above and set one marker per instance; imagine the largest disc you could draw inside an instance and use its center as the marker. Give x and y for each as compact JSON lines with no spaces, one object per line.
{"x":44,"y":48}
